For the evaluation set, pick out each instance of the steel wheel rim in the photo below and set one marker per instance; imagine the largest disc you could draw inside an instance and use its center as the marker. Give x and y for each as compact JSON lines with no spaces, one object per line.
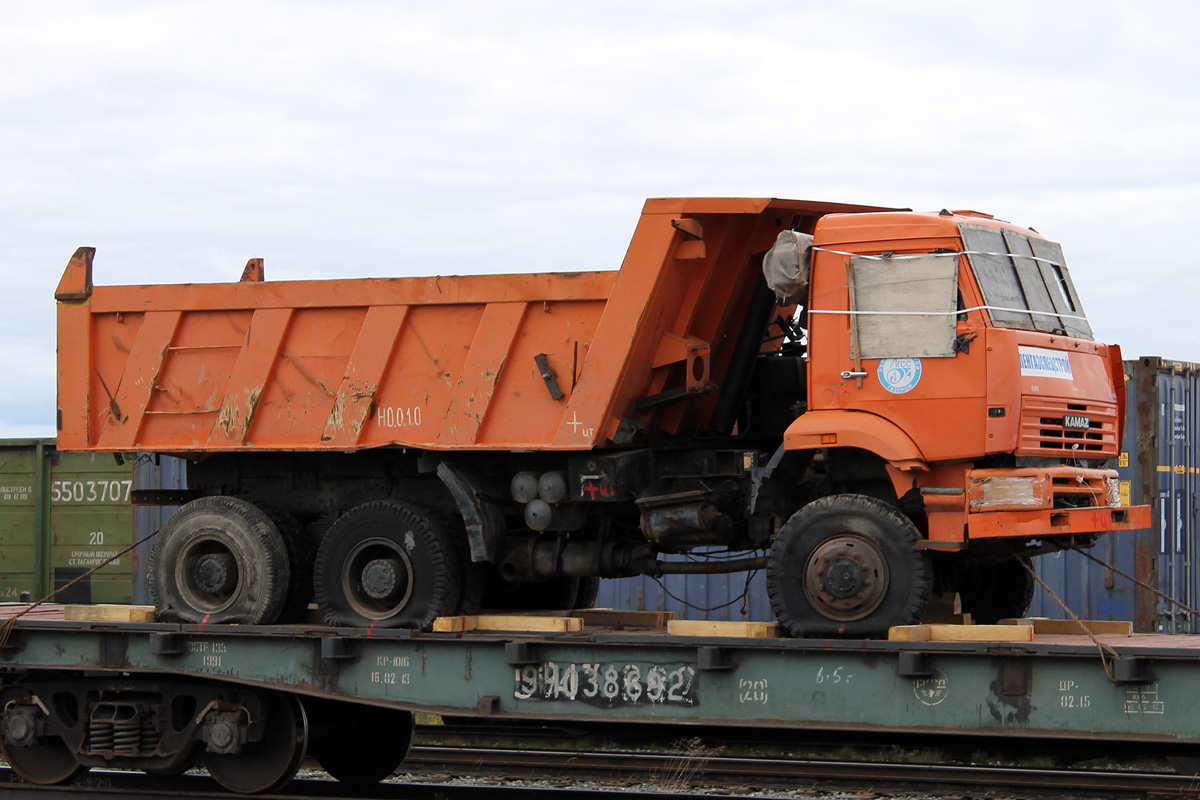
{"x":363,"y":578}
{"x":198,"y":562}
{"x":46,"y":763}
{"x":846,"y":577}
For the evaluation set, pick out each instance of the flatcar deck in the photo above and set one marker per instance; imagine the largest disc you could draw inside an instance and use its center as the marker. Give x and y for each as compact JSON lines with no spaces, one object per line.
{"x":1143,"y":689}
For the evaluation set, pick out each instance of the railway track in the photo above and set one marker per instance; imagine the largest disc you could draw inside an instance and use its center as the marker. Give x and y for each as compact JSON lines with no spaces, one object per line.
{"x":466,"y":773}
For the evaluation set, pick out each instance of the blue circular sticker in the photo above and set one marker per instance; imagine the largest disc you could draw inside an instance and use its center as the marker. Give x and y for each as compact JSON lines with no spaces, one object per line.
{"x":899,"y":375}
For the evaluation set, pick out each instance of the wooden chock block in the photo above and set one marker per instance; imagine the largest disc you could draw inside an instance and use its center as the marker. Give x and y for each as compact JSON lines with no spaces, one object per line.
{"x":607,"y":617}
{"x":961,"y":633}
{"x":453,"y":624}
{"x":1069,"y":627}
{"x":731,"y":629}
{"x":508,"y":622}
{"x":109,"y":613}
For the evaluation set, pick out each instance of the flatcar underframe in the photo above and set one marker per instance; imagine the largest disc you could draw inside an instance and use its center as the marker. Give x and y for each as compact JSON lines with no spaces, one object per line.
{"x":70,"y":687}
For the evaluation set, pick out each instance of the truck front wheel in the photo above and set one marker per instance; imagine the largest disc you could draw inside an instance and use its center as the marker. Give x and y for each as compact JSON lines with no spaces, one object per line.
{"x":387,"y":564}
{"x":847,"y":566}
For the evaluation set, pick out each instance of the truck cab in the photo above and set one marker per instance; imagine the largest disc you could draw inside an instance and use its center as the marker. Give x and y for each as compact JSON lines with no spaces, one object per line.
{"x":950,"y":352}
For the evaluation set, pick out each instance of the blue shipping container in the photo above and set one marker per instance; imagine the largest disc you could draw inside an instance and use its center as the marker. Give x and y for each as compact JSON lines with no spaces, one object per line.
{"x":1157,"y":468}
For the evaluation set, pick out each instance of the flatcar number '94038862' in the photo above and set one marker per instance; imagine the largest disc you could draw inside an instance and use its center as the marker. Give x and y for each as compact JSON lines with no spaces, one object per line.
{"x":608,"y":684}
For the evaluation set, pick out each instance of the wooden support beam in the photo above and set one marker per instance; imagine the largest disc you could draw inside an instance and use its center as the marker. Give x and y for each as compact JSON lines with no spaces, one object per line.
{"x":732,"y":629}
{"x":109,"y":613}
{"x":961,"y":633}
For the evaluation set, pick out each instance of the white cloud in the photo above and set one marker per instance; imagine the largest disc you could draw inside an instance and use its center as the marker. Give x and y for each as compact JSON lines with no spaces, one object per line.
{"x":370,"y":138}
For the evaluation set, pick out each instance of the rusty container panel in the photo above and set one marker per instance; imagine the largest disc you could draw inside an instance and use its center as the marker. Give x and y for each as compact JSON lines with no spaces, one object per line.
{"x":1158,"y":467}
{"x":538,"y":362}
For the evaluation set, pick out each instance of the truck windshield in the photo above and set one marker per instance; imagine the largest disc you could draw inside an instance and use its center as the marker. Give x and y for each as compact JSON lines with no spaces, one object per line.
{"x":1025,"y":282}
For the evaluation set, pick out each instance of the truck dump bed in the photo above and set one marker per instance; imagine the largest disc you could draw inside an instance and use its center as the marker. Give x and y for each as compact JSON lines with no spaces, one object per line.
{"x":562,"y":361}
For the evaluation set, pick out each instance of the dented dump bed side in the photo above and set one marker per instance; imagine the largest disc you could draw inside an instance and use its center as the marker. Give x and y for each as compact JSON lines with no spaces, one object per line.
{"x":536,"y":361}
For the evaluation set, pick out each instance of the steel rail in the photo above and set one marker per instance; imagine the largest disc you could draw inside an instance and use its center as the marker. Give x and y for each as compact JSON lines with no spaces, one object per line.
{"x":700,"y":768}
{"x":429,"y":772}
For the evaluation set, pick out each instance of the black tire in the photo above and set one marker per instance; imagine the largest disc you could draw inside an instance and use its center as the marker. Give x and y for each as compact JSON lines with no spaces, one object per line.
{"x":218,"y":560}
{"x":386,"y":564}
{"x":474,"y":576}
{"x":300,"y":556}
{"x":474,"y":580}
{"x":589,"y":590}
{"x":847,"y":566}
{"x":994,"y":591}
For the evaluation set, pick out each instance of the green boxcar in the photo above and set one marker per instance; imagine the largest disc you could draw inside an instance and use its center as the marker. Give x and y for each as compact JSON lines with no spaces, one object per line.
{"x":61,"y":514}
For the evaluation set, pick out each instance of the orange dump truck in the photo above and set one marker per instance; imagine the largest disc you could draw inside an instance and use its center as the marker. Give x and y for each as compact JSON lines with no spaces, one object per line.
{"x":874,"y":405}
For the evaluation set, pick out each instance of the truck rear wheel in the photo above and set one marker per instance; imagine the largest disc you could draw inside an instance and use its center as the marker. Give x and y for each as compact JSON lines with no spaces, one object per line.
{"x":847,"y":566}
{"x":387,"y":564}
{"x":218,"y":559}
{"x":300,"y":553}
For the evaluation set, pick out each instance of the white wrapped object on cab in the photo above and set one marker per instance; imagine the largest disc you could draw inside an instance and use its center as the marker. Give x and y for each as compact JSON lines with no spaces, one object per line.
{"x":786,"y":265}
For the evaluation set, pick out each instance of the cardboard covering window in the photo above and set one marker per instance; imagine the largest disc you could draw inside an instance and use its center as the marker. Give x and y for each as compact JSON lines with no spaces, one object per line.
{"x":909,"y":303}
{"x":1061,"y":288}
{"x":988,"y":254}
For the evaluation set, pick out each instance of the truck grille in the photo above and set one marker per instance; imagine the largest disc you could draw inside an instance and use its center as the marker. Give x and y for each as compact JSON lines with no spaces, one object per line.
{"x":1045,"y":432}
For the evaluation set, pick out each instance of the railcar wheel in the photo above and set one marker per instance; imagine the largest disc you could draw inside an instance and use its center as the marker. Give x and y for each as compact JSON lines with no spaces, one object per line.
{"x":388,"y":564}
{"x":47,"y":762}
{"x":218,"y":559}
{"x":270,"y":763}
{"x":992,"y":592}
{"x":357,"y":744}
{"x":847,"y":565}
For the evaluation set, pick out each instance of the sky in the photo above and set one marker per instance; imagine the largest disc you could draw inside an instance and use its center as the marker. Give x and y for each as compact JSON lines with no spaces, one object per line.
{"x":369,"y":139}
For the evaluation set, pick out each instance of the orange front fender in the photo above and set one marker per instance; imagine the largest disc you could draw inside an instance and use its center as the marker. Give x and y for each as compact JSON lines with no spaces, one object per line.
{"x":820,"y":429}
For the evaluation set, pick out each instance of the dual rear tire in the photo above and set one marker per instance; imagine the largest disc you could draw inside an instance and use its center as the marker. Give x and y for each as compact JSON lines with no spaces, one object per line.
{"x":383,"y":563}
{"x":387,"y":564}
